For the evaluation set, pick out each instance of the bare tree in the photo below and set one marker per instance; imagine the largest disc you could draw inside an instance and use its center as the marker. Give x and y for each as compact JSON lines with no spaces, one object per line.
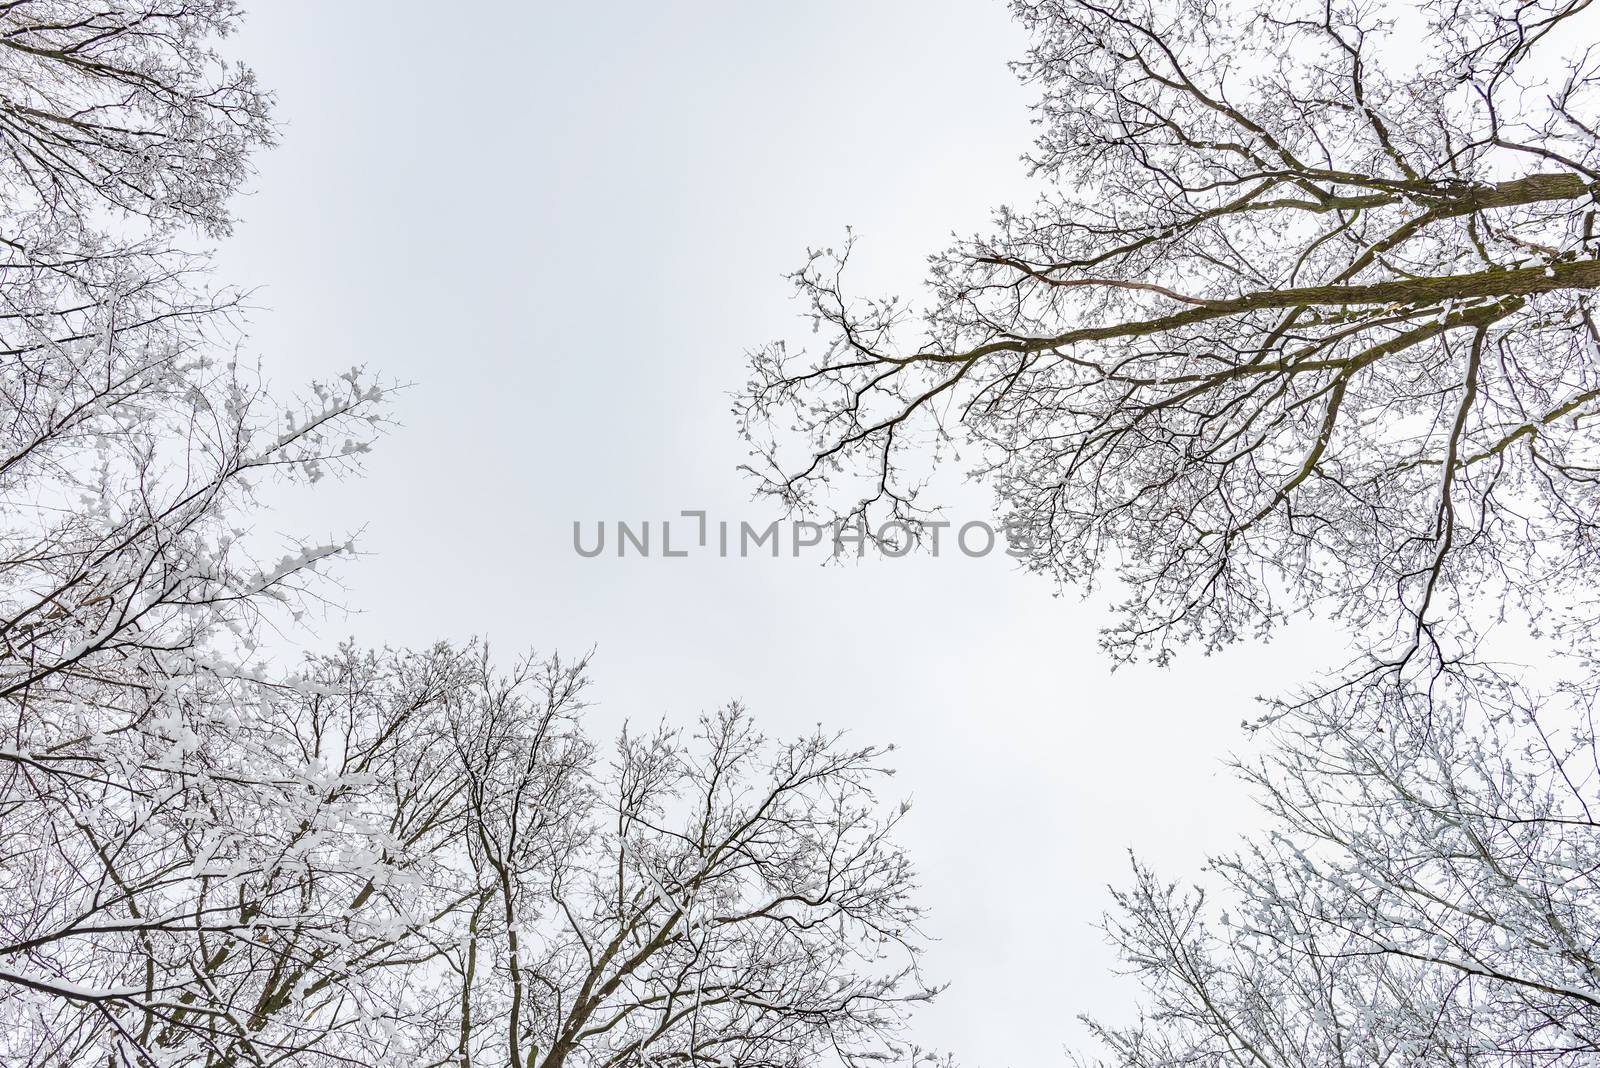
{"x":1425,"y":894}
{"x":410,"y":858}
{"x":717,"y":899}
{"x":1304,"y":318}
{"x":129,"y":598}
{"x":381,"y":858}
{"x":118,"y":111}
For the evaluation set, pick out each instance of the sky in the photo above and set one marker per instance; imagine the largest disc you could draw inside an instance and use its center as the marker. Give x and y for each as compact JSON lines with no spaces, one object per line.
{"x":563,"y":226}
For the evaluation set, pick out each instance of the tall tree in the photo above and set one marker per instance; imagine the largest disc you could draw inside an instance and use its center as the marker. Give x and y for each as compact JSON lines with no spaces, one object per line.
{"x":1425,"y":894}
{"x":379,"y":858}
{"x":1304,"y":318}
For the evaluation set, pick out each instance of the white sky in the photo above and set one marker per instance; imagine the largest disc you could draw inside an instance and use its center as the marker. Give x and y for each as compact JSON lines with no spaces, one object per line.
{"x":565,"y":223}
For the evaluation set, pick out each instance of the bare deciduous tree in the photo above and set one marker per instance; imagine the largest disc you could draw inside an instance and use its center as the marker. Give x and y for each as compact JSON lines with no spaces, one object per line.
{"x":395,"y":858}
{"x":124,"y":110}
{"x":409,"y":858}
{"x":1425,"y":895}
{"x":719,"y":900}
{"x":1304,"y":318}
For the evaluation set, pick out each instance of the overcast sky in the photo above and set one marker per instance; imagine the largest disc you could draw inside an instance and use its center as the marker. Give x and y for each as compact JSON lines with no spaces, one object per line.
{"x":565,"y":224}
